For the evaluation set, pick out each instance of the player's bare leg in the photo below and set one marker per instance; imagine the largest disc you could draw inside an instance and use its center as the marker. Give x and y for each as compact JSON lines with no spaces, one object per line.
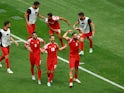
{"x":8,"y":65}
{"x":76,"y":75}
{"x":81,"y":46}
{"x":39,"y":74}
{"x":60,"y":39}
{"x":71,"y":77}
{"x":91,"y":44}
{"x":32,"y":72}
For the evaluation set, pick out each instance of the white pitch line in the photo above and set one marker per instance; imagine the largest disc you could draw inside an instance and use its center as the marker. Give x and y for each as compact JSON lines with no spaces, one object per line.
{"x":81,"y":68}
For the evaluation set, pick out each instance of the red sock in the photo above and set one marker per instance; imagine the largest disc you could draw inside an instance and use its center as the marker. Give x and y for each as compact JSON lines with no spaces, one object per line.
{"x":32,"y":71}
{"x":7,"y":63}
{"x":48,"y":74}
{"x":76,"y":76}
{"x":39,"y":74}
{"x":61,"y":41}
{"x":70,"y":80}
{"x":51,"y":77}
{"x":82,"y":46}
{"x":1,"y":58}
{"x":91,"y":43}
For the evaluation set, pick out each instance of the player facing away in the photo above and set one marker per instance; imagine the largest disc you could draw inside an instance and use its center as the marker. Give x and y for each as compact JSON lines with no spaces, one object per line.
{"x":31,"y":17}
{"x":54,"y":25}
{"x":86,"y":29}
{"x":51,"y":49}
{"x":5,"y":38}
{"x":74,"y":57}
{"x":33,"y":46}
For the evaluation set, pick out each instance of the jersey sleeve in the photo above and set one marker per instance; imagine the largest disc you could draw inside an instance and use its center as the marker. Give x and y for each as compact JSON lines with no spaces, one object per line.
{"x":56,"y":18}
{"x":45,"y":47}
{"x":69,"y":41}
{"x":0,"y":34}
{"x":41,"y":40}
{"x":28,"y":42}
{"x":46,"y":20}
{"x":28,"y":11}
{"x":89,"y":21}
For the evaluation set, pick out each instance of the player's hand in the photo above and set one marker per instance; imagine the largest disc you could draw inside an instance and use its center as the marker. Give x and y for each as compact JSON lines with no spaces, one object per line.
{"x":16,"y":43}
{"x":29,"y":49}
{"x":93,"y":32}
{"x":65,"y":45}
{"x":28,"y":24}
{"x":69,"y":31}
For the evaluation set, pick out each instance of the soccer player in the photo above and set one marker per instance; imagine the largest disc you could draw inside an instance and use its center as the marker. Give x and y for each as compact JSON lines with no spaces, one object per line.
{"x":51,"y":49}
{"x":5,"y":38}
{"x":74,"y":57}
{"x":33,"y":46}
{"x":31,"y":17}
{"x":54,"y":25}
{"x":87,"y":30}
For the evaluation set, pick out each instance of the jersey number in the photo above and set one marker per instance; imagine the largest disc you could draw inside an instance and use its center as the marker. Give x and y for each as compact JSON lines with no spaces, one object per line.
{"x":52,"y":49}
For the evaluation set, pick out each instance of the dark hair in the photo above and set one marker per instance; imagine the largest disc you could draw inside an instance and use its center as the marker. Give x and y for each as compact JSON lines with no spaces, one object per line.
{"x":51,"y":36}
{"x":73,"y":33}
{"x":36,"y":3}
{"x":81,"y":14}
{"x":6,"y":23}
{"x":50,"y":14}
{"x":34,"y":33}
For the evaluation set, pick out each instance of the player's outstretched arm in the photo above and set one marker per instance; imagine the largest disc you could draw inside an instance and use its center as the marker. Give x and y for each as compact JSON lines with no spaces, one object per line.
{"x":65,"y":20}
{"x":65,"y":35}
{"x":75,"y":25}
{"x":39,"y":15}
{"x":12,"y":39}
{"x":62,"y":48}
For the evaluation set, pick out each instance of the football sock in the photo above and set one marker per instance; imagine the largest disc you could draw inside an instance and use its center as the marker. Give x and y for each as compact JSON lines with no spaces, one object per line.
{"x":51,"y":77}
{"x":32,"y":71}
{"x":91,"y":43}
{"x":39,"y":74}
{"x":7,"y":63}
{"x":1,"y":58}
{"x":82,"y":46}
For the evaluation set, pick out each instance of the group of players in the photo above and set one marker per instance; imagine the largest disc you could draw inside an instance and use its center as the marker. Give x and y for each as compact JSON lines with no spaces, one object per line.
{"x":33,"y":44}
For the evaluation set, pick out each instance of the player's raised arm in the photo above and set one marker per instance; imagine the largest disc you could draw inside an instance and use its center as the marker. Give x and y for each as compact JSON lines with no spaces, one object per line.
{"x":65,"y":35}
{"x":75,"y":25}
{"x":65,"y":20}
{"x":62,"y":48}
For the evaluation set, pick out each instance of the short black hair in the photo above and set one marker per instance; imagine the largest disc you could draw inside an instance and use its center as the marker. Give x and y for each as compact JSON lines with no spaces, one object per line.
{"x":6,"y":23}
{"x":50,"y":14}
{"x":34,"y":33}
{"x":81,"y":14}
{"x":36,"y":3}
{"x":73,"y":33}
{"x":51,"y":36}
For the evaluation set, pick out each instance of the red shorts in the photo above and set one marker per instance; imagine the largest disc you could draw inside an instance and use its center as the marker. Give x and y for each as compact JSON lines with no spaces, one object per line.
{"x":5,"y":50}
{"x":51,"y":63}
{"x":86,"y":35}
{"x":74,"y":61}
{"x":35,"y":60}
{"x":51,"y":32}
{"x":31,"y":28}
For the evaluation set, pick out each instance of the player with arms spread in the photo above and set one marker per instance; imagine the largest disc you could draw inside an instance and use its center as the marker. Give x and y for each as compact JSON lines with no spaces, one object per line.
{"x":33,"y":46}
{"x":31,"y":17}
{"x":74,"y":57}
{"x":5,"y":38}
{"x":86,"y":29}
{"x":51,"y":49}
{"x":54,"y":25}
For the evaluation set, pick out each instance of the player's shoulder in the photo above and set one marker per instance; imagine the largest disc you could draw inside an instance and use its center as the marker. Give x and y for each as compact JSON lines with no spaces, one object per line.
{"x":55,"y":17}
{"x":40,"y":39}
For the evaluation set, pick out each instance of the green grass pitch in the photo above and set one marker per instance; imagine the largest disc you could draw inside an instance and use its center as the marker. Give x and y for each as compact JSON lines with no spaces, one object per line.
{"x":107,"y":59}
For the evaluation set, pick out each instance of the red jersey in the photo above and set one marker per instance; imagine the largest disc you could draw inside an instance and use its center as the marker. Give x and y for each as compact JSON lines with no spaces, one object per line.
{"x":74,"y":47}
{"x":51,"y":49}
{"x":35,"y":45}
{"x":53,"y":23}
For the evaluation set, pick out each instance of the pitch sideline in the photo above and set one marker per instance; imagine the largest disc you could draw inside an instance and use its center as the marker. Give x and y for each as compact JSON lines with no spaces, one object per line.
{"x":81,"y":68}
